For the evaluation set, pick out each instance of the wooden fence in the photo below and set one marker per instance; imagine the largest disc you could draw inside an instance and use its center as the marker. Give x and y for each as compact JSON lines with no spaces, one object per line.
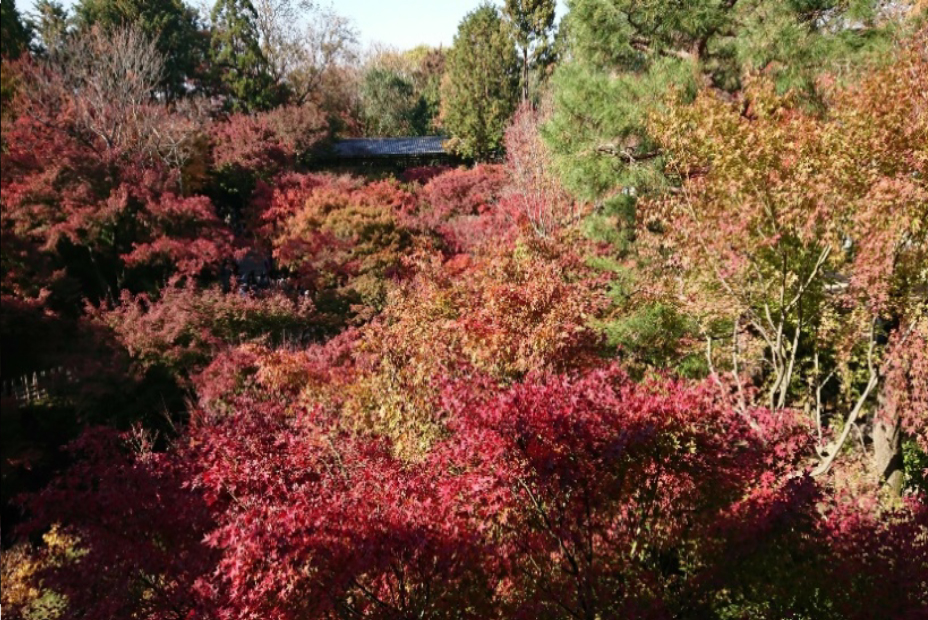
{"x":31,"y":388}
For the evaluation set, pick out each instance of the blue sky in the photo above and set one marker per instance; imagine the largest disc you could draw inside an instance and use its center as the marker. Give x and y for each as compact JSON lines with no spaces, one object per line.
{"x":407,"y":23}
{"x":398,"y":23}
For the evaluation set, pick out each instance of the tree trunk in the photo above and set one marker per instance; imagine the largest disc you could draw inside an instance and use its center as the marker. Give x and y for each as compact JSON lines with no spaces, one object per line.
{"x":887,"y":451}
{"x":524,"y":75}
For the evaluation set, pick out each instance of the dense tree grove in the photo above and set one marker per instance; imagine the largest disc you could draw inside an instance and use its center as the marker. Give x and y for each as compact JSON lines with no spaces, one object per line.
{"x":666,"y":357}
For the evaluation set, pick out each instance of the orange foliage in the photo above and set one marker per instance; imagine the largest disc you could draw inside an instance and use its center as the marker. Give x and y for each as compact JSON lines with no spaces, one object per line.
{"x":799,"y":241}
{"x":342,"y":240}
{"x":503,"y":315}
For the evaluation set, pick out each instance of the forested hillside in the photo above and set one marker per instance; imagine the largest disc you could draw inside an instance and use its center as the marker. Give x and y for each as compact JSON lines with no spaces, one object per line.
{"x":659,"y":350}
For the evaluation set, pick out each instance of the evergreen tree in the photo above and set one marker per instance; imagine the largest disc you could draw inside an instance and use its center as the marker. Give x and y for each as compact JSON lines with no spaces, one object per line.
{"x":391,"y":106}
{"x":237,"y":57}
{"x":627,"y":60}
{"x":50,"y":23}
{"x":627,"y":55}
{"x":14,"y":35}
{"x":480,"y":86}
{"x":170,"y":23}
{"x":532,"y":23}
{"x":427,"y":79}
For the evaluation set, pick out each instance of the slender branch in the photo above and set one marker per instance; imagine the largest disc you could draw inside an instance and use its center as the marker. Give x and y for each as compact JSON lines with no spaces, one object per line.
{"x":818,"y":397}
{"x":550,"y":527}
{"x":812,"y":275}
{"x":736,"y":366}
{"x":825,"y":465}
{"x":788,"y":376}
{"x":374,"y":597}
{"x":627,"y":153}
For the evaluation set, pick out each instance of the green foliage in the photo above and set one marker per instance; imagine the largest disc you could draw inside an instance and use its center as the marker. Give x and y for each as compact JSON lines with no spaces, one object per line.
{"x":480,"y":87}
{"x":596,"y":131}
{"x":626,"y":56}
{"x":391,"y":106}
{"x":915,"y":466}
{"x":646,"y":333}
{"x":50,"y":23}
{"x":14,"y":34}
{"x":170,"y":23}
{"x":237,"y":58}
{"x":649,"y":337}
{"x":532,"y":25}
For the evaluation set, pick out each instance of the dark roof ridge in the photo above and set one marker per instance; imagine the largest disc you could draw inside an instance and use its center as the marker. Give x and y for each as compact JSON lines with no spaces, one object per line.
{"x":389,"y":146}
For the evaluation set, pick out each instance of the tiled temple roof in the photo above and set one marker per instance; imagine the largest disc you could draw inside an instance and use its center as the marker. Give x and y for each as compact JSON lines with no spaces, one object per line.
{"x":362,"y":148}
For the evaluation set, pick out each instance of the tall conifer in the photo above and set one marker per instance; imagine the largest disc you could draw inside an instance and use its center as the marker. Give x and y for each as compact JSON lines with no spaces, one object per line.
{"x":480,"y":86}
{"x":237,"y":57}
{"x":532,"y":24}
{"x":14,"y":35}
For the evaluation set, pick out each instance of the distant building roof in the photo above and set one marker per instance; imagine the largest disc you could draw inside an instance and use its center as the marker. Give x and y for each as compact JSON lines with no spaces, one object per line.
{"x":362,"y":148}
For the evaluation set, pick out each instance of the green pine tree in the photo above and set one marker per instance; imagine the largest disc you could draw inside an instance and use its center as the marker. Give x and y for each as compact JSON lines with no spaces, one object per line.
{"x":237,"y":57}
{"x":480,"y":86}
{"x":50,"y":22}
{"x":626,"y":56}
{"x":532,"y":26}
{"x":170,"y":23}
{"x":14,"y":34}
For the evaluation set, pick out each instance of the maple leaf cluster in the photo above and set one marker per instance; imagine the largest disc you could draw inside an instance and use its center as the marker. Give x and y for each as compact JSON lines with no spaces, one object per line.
{"x":590,"y":494}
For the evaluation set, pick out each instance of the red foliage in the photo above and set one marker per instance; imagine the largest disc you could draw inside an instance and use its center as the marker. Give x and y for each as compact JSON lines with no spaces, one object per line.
{"x":272,"y":203}
{"x":137,"y":531}
{"x":423,"y":174}
{"x":460,"y":206}
{"x":506,"y":313}
{"x":184,"y":328}
{"x":595,"y":491}
{"x":877,"y":560}
{"x":906,"y":370}
{"x":278,"y":374}
{"x":337,"y":236}
{"x":591,"y":496}
{"x":463,"y":191}
{"x":320,"y":524}
{"x":465,"y":453}
{"x":267,"y":143}
{"x":81,"y":203}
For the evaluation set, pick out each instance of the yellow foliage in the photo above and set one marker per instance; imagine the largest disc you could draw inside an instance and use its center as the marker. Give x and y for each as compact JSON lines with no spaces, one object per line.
{"x":502,"y":316}
{"x":21,"y":587}
{"x":19,"y":566}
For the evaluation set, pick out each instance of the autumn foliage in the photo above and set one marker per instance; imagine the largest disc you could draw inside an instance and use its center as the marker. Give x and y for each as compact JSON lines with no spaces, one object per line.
{"x":185,"y":327}
{"x":284,"y":393}
{"x":798,"y":242}
{"x":592,"y":494}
